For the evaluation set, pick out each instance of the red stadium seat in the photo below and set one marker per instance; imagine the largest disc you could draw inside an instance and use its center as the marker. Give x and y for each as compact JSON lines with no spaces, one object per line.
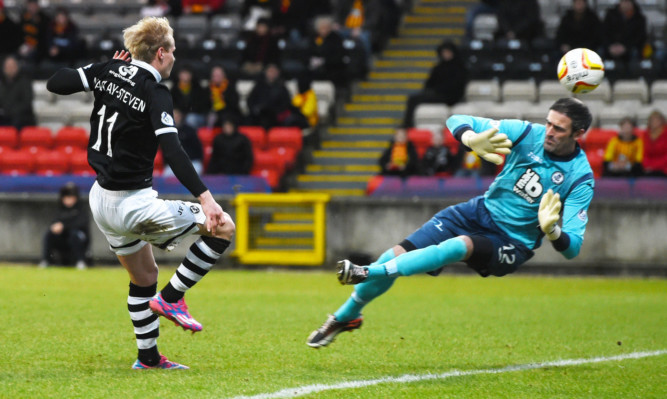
{"x":71,"y":136}
{"x":9,"y":137}
{"x":16,"y":162}
{"x":267,"y":160}
{"x":256,"y":134}
{"x":36,"y":136}
{"x":450,"y":142}
{"x":272,"y":177}
{"x":421,"y":139}
{"x":597,"y":138}
{"x":158,"y":164}
{"x":285,"y":137}
{"x":52,"y":163}
{"x":596,"y":160}
{"x":79,"y":164}
{"x":207,"y":134}
{"x":286,"y":155}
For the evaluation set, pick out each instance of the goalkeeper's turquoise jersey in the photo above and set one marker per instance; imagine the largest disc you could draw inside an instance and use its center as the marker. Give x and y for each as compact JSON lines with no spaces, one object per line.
{"x":513,"y":199}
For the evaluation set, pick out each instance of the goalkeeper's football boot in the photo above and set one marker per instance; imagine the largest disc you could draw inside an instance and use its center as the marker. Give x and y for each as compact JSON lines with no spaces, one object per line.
{"x":176,"y":312}
{"x":349,"y":273}
{"x":164,"y":363}
{"x":324,"y":335}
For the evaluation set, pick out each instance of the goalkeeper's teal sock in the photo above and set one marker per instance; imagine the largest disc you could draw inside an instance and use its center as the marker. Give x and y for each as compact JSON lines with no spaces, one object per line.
{"x":365,"y":292}
{"x":420,"y":260}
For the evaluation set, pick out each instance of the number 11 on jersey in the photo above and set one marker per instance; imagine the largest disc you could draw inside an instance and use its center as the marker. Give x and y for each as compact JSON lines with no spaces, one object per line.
{"x":111,"y":121}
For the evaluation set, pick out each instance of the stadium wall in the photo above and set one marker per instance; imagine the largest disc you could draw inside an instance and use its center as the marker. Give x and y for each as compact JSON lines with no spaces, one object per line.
{"x":623,"y":237}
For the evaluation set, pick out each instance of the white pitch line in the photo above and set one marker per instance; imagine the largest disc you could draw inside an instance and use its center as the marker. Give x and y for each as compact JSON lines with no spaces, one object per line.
{"x":407,"y":378}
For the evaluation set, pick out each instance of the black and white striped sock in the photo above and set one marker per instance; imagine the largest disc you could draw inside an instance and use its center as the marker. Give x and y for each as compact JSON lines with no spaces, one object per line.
{"x":146,"y":323}
{"x":201,"y":256}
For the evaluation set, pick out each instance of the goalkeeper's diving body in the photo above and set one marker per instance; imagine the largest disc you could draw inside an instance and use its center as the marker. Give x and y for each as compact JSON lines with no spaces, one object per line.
{"x":546,"y":178}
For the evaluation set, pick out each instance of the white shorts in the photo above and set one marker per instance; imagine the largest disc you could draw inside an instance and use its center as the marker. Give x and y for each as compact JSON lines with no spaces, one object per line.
{"x":132,"y":219}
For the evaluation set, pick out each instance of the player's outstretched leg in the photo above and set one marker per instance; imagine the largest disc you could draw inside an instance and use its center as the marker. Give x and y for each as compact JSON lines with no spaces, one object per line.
{"x":348,"y":316}
{"x":164,"y":363}
{"x":413,"y":262}
{"x":169,"y":302}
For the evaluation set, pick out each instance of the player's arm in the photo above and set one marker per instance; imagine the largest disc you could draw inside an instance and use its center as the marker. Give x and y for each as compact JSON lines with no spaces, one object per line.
{"x":481,"y":135}
{"x":568,"y":239}
{"x":65,"y":81}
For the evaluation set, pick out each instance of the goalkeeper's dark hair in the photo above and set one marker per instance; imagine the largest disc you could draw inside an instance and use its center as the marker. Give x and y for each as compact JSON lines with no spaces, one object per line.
{"x":576,"y":110}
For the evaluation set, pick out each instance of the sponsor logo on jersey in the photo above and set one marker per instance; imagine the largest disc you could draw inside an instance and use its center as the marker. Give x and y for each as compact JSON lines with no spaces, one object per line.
{"x":194,"y":209}
{"x":582,"y":215}
{"x":535,"y":157}
{"x":528,"y":186}
{"x":128,"y":71}
{"x":167,"y":119}
{"x":557,"y":177}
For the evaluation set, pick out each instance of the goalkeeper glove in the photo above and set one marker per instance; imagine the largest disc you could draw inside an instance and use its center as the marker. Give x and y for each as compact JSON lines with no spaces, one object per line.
{"x":549,"y":213}
{"x":488,"y":144}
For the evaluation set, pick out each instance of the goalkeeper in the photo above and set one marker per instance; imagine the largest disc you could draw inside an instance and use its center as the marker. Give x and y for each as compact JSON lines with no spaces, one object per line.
{"x":545,"y":172}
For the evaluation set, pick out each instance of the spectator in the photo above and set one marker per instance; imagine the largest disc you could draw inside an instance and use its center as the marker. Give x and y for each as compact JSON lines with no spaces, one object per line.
{"x":269,"y":102}
{"x":16,"y":99}
{"x":190,"y":98}
{"x":203,"y":6}
{"x":624,"y":31}
{"x":9,"y":32}
{"x":438,"y":159}
{"x":232,"y":151}
{"x":261,"y":49}
{"x":623,"y":156}
{"x":223,"y":97}
{"x":289,"y":19}
{"x":35,"y":27}
{"x":253,"y":10}
{"x":67,"y":238}
{"x":306,"y":101}
{"x":579,"y":27}
{"x":400,"y":158}
{"x":327,"y":53}
{"x":484,"y":7}
{"x":655,"y":147}
{"x":358,"y":20}
{"x":187,"y":135}
{"x":446,"y":82}
{"x":469,"y":164}
{"x":519,"y":20}
{"x":63,"y":38}
{"x":162,"y":8}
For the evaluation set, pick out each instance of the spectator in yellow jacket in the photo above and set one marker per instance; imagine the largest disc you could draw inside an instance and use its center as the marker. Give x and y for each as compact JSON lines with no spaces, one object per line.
{"x":624,"y":154}
{"x":306,"y":101}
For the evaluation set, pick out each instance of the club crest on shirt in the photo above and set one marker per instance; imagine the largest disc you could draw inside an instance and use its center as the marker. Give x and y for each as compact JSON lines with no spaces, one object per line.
{"x":583,"y":215}
{"x":167,"y":119}
{"x":194,"y":209}
{"x":557,"y":177}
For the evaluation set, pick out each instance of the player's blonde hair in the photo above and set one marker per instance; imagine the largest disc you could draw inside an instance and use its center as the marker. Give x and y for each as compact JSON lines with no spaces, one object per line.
{"x":144,"y":38}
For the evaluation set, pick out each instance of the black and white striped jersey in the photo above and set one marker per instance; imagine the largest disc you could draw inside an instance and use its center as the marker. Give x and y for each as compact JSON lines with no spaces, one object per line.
{"x":131,"y":110}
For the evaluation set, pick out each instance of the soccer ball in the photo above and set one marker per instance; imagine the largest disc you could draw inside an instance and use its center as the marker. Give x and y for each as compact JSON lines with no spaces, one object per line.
{"x":580,"y":70}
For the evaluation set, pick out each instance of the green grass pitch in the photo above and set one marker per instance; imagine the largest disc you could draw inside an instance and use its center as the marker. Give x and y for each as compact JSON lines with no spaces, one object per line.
{"x":67,"y":334}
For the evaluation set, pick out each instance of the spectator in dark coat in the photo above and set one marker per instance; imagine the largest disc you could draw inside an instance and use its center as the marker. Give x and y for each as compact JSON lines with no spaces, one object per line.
{"x":327,"y":53}
{"x":579,"y":27}
{"x":34,"y":27}
{"x":190,"y":98}
{"x":67,"y":237}
{"x":269,"y":102}
{"x":438,"y":158}
{"x":446,"y":82}
{"x":224,"y":98}
{"x":400,"y":158}
{"x":232,"y":151}
{"x":519,"y":20}
{"x":187,"y":135}
{"x":10,"y":32}
{"x":624,"y":31}
{"x":261,"y":49}
{"x":63,"y":38}
{"x":15,"y":96}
